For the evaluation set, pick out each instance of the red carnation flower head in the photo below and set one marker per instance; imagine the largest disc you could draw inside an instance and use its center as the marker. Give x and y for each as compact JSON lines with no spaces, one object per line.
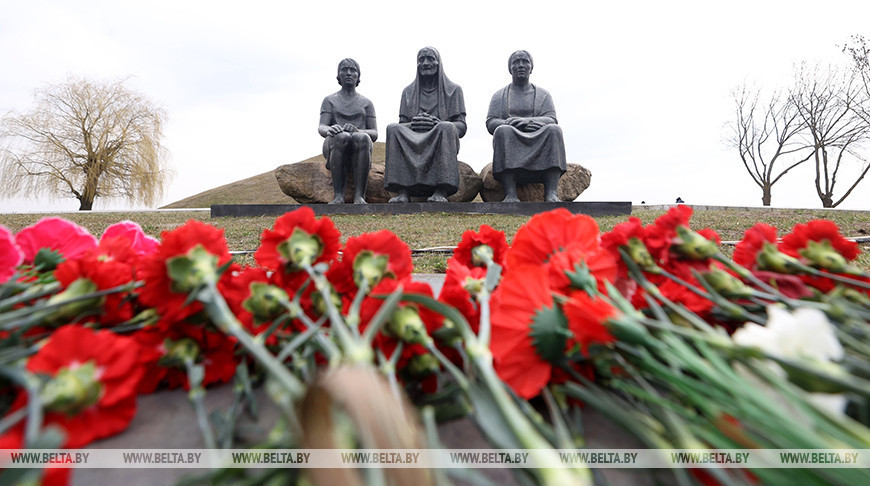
{"x":140,"y":243}
{"x":57,"y":235}
{"x":409,"y":322}
{"x":461,"y":284}
{"x":661,"y":233}
{"x":565,"y":244}
{"x":91,"y":392}
{"x":587,"y":316}
{"x":528,"y":330}
{"x":111,"y":264}
{"x":298,"y":239}
{"x":187,"y":257}
{"x":476,"y":248}
{"x":10,"y":255}
{"x":369,"y":258}
{"x":821,"y":245}
{"x":164,"y":353}
{"x":754,"y":239}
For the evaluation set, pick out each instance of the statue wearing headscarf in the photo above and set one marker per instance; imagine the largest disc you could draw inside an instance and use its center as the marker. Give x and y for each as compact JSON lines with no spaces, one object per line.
{"x":422,"y":147}
{"x":527,"y":143}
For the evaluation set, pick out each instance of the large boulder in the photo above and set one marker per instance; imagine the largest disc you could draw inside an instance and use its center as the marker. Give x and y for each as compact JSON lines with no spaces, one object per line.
{"x":572,"y":183}
{"x":309,"y":182}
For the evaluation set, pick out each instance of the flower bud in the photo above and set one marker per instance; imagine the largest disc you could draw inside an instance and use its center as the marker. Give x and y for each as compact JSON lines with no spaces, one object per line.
{"x":422,"y":365}
{"x":726,"y":284}
{"x":770,"y":258}
{"x":481,"y":255}
{"x":821,"y":254}
{"x":370,"y":268}
{"x":694,"y":246}
{"x":72,"y":389}
{"x":626,"y":329}
{"x":179,"y":351}
{"x":193,"y":270}
{"x":473,"y":285}
{"x":71,"y":308}
{"x":266,"y":302}
{"x":639,"y":254}
{"x":300,"y":249}
{"x":405,"y":324}
{"x":319,"y":304}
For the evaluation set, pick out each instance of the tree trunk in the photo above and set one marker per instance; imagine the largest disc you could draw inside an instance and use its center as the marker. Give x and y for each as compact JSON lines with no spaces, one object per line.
{"x":765,"y":196}
{"x":85,"y":204}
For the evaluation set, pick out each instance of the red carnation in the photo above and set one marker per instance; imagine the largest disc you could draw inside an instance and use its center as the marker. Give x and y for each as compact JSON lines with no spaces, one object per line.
{"x":561,"y":241}
{"x":109,"y":265}
{"x":91,"y":392}
{"x":746,"y":250}
{"x":163,"y":354}
{"x":371,"y":257}
{"x":297,"y":239}
{"x":662,"y":232}
{"x":586,"y":317}
{"x":494,"y":241}
{"x":455,"y":291}
{"x":10,"y":255}
{"x":159,"y":290}
{"x":58,"y":234}
{"x":820,"y":244}
{"x":523,"y":292}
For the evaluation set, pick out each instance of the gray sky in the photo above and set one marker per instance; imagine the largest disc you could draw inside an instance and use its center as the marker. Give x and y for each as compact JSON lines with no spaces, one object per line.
{"x":642,"y":89}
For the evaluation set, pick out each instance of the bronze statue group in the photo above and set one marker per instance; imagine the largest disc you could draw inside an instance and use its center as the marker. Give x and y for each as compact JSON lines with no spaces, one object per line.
{"x":422,"y":147}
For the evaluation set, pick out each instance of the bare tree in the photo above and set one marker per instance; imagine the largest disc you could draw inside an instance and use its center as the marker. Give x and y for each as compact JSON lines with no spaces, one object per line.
{"x":765,"y":133}
{"x":830,"y":102}
{"x":86,"y":139}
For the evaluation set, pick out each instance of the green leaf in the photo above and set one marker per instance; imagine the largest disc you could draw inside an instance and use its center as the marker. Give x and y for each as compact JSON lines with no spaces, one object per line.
{"x":550,"y":333}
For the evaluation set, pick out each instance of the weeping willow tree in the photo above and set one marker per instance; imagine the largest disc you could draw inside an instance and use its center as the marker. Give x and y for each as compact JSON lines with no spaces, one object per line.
{"x":85,"y":139}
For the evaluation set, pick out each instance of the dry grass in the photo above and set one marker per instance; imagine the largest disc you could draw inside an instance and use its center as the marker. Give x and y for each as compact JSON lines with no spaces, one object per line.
{"x":441,"y":229}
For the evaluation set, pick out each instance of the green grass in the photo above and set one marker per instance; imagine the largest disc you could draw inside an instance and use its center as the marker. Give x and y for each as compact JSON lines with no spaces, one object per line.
{"x":442,"y":229}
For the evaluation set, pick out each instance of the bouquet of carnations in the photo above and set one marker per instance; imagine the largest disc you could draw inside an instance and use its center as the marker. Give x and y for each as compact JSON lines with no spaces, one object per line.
{"x":652,"y":325}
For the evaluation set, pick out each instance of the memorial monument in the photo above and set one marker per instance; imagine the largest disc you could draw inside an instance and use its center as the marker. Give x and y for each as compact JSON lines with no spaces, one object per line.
{"x":349,"y":126}
{"x":421,"y":158}
{"x":527,"y":142}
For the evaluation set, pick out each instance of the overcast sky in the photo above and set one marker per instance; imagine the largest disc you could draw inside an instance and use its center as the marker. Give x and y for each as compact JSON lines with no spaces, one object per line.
{"x":642,"y":89}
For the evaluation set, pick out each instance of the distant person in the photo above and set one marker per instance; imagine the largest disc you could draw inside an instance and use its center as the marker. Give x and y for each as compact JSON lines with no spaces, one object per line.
{"x":422,"y":148}
{"x":680,"y":200}
{"x":347,"y":121}
{"x":527,"y":143}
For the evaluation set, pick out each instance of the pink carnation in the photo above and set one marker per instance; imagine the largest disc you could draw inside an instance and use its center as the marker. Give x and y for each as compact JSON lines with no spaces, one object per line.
{"x":10,"y":254}
{"x":61,"y":235}
{"x":141,"y":243}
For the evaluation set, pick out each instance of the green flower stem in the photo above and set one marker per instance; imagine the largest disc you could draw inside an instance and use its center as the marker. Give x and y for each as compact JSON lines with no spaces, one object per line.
{"x":40,"y":311}
{"x":710,"y":294}
{"x":226,"y":321}
{"x":29,"y":294}
{"x":333,"y":354}
{"x":451,"y":368}
{"x":196,"y":394}
{"x":548,"y":467}
{"x":31,"y":386}
{"x":485,"y":311}
{"x":355,"y":350}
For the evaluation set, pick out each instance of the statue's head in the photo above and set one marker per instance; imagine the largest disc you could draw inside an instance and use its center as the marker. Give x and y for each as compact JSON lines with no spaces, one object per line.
{"x":520,"y":64}
{"x":348,"y":67}
{"x":428,"y":61}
